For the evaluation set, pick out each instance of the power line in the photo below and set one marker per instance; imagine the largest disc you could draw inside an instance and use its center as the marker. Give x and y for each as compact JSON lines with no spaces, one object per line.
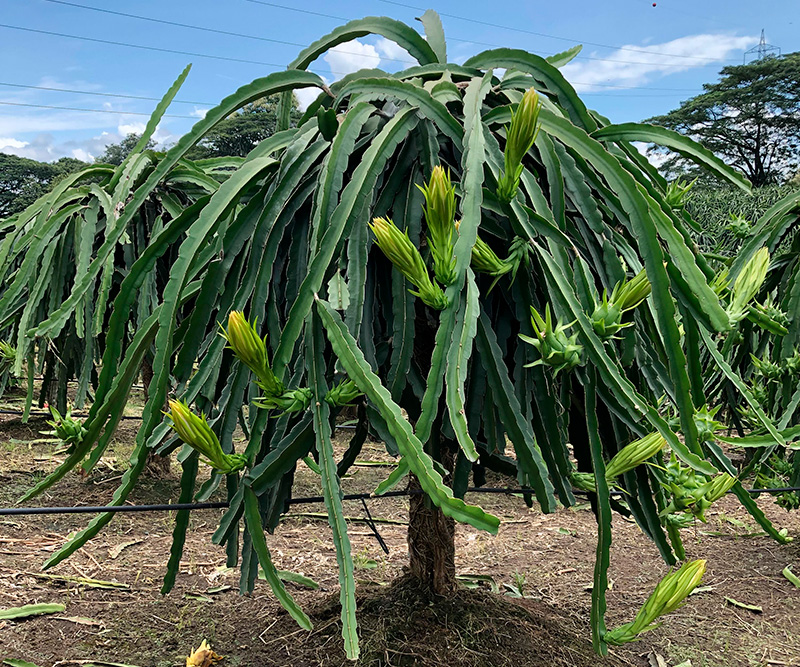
{"x":148,"y":48}
{"x":126,"y":113}
{"x":542,"y":34}
{"x":205,"y":29}
{"x":139,"y":46}
{"x":96,"y":92}
{"x":258,"y":62}
{"x":489,"y":44}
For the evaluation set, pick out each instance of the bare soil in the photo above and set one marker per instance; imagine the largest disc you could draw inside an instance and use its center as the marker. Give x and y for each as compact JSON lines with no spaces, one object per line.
{"x":547,"y":558}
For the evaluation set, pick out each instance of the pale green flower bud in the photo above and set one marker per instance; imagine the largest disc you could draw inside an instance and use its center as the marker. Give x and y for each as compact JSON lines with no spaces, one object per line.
{"x":520,"y":136}
{"x":407,"y":259}
{"x":251,"y":350}
{"x":196,"y":433}
{"x":668,"y":595}
{"x":440,"y":213}
{"x":747,"y":284}
{"x":634,"y":454}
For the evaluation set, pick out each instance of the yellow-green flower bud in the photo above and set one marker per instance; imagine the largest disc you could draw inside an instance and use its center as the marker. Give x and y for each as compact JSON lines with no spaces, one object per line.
{"x":485,"y":260}
{"x":407,"y":259}
{"x":719,"y":486}
{"x":668,"y":595}
{"x":747,"y":284}
{"x":196,"y":433}
{"x":634,"y":454}
{"x":251,"y":350}
{"x":8,"y":355}
{"x":440,"y":213}
{"x":520,"y":135}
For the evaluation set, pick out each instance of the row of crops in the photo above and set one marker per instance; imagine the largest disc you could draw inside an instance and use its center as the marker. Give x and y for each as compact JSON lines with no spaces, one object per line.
{"x":485,"y":271}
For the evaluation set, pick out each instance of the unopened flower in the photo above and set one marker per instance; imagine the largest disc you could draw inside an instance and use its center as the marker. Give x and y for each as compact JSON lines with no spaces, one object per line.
{"x":440,"y":213}
{"x":520,"y":136}
{"x":291,"y":400}
{"x":407,"y":259}
{"x":557,"y":349}
{"x":668,"y":595}
{"x":251,"y":350}
{"x":343,"y":394}
{"x":747,"y":284}
{"x":677,"y":191}
{"x":634,"y":454}
{"x":195,"y":432}
{"x":626,"y":295}
{"x":67,"y":428}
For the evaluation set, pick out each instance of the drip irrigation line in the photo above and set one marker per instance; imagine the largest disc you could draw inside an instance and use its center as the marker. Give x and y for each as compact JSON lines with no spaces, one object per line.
{"x":33,"y":413}
{"x":363,"y":497}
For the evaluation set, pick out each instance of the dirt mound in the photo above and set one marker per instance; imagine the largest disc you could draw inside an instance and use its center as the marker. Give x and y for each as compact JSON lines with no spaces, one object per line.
{"x":401,"y":626}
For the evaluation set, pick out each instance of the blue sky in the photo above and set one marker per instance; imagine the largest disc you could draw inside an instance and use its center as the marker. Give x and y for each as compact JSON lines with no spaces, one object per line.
{"x":638,"y":60}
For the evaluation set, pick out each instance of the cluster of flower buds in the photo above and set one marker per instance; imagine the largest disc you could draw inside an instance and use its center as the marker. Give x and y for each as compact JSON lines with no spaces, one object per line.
{"x":440,"y":214}
{"x":626,"y":295}
{"x":692,"y":493}
{"x":767,"y":368}
{"x":747,"y":285}
{"x":775,"y":372}
{"x":520,"y":136}
{"x":67,"y":428}
{"x":779,"y":472}
{"x":557,"y":349}
{"x":342,"y":394}
{"x":407,"y":259}
{"x":706,"y":424}
{"x":677,"y":192}
{"x":8,"y":355}
{"x":668,"y":595}
{"x":739,"y":226}
{"x":251,"y":350}
{"x":195,"y":432}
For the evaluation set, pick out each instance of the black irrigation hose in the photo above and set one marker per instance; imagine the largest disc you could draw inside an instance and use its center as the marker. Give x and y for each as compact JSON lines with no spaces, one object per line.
{"x":19,"y":413}
{"x":88,"y":509}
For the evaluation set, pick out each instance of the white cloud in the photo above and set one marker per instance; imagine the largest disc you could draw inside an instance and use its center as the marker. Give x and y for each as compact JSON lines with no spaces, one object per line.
{"x":393,"y":51}
{"x":130,"y":128}
{"x":306,"y":96}
{"x":10,"y":142}
{"x":638,"y":67}
{"x":656,"y":158}
{"x":80,"y":154}
{"x":351,"y":56}
{"x":197,"y":112}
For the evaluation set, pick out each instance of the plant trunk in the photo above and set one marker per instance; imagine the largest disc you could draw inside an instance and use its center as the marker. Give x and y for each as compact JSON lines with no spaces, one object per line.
{"x":157,"y":466}
{"x":431,"y":538}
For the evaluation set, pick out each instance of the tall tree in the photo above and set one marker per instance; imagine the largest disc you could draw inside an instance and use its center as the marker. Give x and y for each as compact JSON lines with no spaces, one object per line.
{"x":115,"y":154}
{"x":239,"y":133}
{"x":750,"y":118}
{"x":23,"y":181}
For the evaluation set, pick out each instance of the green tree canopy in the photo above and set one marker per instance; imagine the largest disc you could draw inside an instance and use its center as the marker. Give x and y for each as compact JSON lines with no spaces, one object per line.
{"x":240,"y":132}
{"x":116,"y":153}
{"x":23,"y":181}
{"x":750,"y":118}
